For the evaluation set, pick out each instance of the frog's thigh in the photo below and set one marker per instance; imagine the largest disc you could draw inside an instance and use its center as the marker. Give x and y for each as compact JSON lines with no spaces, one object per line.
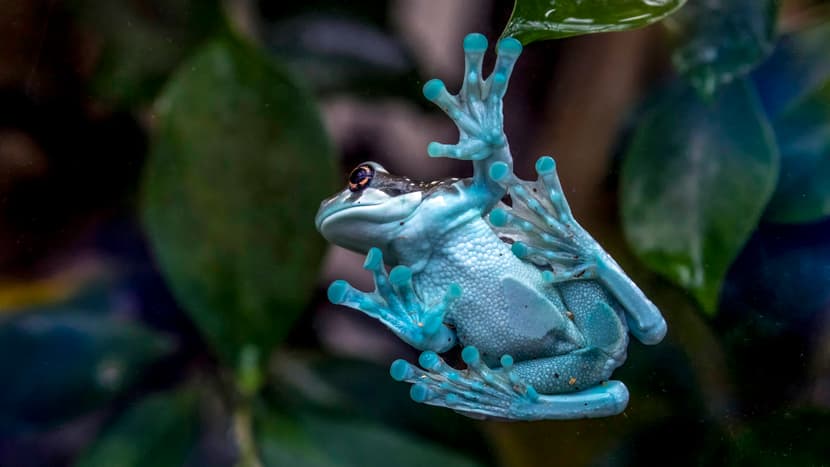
{"x":598,"y":316}
{"x":574,"y":371}
{"x":533,"y":316}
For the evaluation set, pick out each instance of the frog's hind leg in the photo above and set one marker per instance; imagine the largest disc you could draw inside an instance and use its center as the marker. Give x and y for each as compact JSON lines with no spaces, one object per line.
{"x":543,"y":230}
{"x":504,"y":393}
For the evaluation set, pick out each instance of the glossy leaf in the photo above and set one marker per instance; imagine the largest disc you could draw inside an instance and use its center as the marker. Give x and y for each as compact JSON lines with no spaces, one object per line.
{"x":239,"y":164}
{"x":143,"y":42}
{"x":695,"y":181}
{"x":722,"y":40}
{"x":316,"y":441}
{"x":535,"y":20}
{"x":159,"y":430}
{"x":803,"y":134}
{"x":57,"y":364}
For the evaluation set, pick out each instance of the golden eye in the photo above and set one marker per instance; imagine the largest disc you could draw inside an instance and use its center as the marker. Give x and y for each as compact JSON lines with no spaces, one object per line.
{"x":360,"y":177}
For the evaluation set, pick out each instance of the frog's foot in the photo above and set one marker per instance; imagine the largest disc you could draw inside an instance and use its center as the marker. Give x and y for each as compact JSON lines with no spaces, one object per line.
{"x":483,"y":392}
{"x":477,"y":108}
{"x":543,"y":230}
{"x":395,"y":304}
{"x":541,"y":226}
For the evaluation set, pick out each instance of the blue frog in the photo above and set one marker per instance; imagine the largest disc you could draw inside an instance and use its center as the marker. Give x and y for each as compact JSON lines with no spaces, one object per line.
{"x":494,"y":263}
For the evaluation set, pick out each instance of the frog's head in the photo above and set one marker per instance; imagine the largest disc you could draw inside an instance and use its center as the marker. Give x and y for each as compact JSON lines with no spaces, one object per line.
{"x":372,"y":209}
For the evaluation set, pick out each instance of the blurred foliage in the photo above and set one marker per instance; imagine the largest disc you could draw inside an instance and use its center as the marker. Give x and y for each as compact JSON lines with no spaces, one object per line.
{"x":143,"y":42}
{"x":722,"y":40}
{"x":699,"y":170}
{"x":76,"y":360}
{"x":797,"y":438}
{"x":803,"y":194}
{"x":335,"y":54}
{"x":685,"y":206}
{"x":238,"y":248}
{"x":534,"y":20}
{"x":723,"y":192}
{"x":316,"y":441}
{"x":159,"y":430}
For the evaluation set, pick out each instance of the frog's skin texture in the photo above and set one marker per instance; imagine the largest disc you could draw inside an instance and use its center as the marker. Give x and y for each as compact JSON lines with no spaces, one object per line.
{"x":542,"y":311}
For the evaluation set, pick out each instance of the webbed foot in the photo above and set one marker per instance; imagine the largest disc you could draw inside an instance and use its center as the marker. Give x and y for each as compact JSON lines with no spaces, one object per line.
{"x":544,"y":231}
{"x":477,"y":108}
{"x":483,"y":392}
{"x":541,"y":225}
{"x":395,"y":304}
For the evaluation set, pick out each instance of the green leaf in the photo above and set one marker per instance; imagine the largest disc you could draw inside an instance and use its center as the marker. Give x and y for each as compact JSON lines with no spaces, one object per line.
{"x":694,"y":183}
{"x":143,"y":42}
{"x":58,"y":364}
{"x":316,"y":441}
{"x":160,"y":430}
{"x":535,"y":20}
{"x":803,"y":134}
{"x":239,"y":164}
{"x":722,"y":40}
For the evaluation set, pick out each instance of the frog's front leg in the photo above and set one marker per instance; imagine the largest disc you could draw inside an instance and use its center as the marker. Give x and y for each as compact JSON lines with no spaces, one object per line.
{"x":477,"y":111}
{"x":395,"y":303}
{"x":503,"y":393}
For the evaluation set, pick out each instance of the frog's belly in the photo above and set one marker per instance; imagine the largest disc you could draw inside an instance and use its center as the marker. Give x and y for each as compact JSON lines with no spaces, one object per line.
{"x":528,"y":324}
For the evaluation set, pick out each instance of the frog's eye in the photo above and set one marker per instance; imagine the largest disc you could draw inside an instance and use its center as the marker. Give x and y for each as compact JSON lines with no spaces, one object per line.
{"x":360,"y":177}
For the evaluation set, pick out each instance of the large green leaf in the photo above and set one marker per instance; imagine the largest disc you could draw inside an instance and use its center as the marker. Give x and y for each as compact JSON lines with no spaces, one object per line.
{"x":142,"y":42}
{"x":160,"y":430}
{"x":317,"y":441}
{"x":239,"y":164}
{"x":722,"y":40}
{"x":535,"y":20}
{"x":803,"y":134}
{"x":695,"y":181}
{"x":58,"y":364}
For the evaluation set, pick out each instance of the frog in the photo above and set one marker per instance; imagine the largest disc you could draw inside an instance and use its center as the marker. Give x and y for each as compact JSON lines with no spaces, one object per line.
{"x":492,"y":264}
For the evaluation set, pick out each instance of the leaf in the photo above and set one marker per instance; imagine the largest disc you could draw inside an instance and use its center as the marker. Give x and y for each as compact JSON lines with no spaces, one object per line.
{"x":160,"y":430}
{"x":362,"y":389}
{"x":694,"y":183}
{"x":795,"y":89}
{"x":722,"y":40}
{"x":535,"y":20}
{"x":143,"y":42}
{"x":316,"y":441}
{"x":239,"y":164}
{"x":798,"y":67}
{"x":803,"y":134}
{"x":58,"y":364}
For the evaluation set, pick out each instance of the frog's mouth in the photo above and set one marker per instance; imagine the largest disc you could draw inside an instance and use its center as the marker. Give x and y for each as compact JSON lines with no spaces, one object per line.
{"x":340,"y":218}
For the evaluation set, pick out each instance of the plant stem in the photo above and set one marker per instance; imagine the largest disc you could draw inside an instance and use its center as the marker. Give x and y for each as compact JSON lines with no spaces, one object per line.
{"x":243,"y":432}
